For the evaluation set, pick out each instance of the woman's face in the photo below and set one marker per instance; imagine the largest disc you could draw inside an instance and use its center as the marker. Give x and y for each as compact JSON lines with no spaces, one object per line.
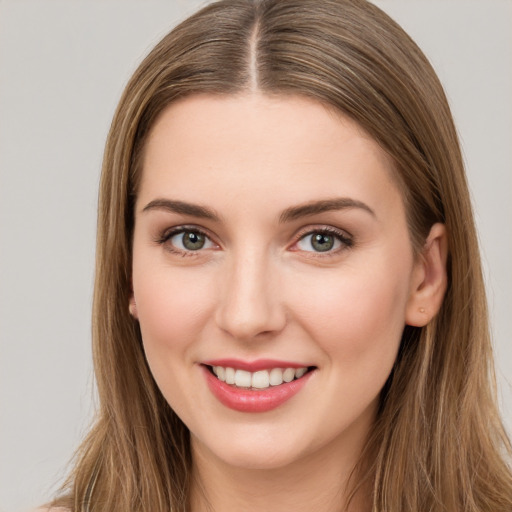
{"x":270,"y":240}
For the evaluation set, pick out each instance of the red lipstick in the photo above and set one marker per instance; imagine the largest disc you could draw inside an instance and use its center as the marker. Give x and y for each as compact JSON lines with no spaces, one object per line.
{"x":254,"y":400}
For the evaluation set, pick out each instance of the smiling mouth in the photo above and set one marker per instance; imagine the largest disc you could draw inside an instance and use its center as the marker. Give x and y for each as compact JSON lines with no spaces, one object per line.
{"x":259,"y":380}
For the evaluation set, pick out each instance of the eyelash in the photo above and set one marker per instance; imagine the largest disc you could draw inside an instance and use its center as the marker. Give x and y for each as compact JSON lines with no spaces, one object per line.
{"x":343,"y":237}
{"x":346,"y":240}
{"x":168,"y":234}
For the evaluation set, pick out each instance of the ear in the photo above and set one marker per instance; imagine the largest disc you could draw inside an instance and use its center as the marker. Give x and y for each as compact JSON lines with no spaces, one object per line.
{"x":429,"y":279}
{"x":132,"y":307}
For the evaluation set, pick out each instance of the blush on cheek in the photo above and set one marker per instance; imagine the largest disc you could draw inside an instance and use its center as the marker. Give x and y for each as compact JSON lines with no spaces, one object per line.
{"x":167,"y":313}
{"x":358,"y":317}
{"x":167,"y":321}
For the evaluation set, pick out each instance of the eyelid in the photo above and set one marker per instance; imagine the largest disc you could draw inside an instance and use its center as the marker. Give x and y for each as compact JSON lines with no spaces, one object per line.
{"x":168,"y":233}
{"x":346,"y":239}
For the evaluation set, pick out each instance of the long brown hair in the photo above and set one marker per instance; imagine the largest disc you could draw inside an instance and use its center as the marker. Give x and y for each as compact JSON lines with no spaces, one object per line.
{"x":438,"y":443}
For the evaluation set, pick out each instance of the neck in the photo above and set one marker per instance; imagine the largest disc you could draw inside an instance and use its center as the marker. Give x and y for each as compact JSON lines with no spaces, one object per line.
{"x":321,"y":482}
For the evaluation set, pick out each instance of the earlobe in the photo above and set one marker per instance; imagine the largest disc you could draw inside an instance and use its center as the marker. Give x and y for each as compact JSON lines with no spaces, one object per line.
{"x":429,"y":279}
{"x":132,"y":307}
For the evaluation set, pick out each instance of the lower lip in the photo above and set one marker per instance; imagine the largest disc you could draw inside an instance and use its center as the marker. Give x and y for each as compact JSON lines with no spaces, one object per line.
{"x":249,"y":400}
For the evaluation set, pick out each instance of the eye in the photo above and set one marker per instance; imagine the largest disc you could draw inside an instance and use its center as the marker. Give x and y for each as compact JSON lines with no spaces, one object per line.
{"x":187,"y":240}
{"x":324,"y":240}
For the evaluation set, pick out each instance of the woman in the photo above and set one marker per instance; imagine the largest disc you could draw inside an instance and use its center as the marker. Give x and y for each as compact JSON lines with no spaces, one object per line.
{"x":289,"y":308}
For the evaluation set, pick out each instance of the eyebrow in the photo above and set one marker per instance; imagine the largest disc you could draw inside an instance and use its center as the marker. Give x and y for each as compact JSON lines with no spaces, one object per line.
{"x":325,"y":205}
{"x":183,"y":208}
{"x":292,"y":213}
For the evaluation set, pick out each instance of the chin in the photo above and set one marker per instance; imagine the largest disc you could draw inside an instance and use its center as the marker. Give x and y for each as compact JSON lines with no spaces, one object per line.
{"x":258,"y":451}
{"x":254,"y":459}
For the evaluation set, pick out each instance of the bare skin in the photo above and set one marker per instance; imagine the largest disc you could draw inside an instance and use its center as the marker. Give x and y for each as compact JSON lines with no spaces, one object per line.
{"x":231,"y":260}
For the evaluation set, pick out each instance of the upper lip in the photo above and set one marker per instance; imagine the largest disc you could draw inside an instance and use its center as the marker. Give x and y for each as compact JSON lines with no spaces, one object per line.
{"x":254,"y":366}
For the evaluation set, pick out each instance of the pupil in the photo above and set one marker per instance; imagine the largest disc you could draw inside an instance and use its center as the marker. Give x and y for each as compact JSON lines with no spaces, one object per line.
{"x":322,"y":242}
{"x":193,"y":241}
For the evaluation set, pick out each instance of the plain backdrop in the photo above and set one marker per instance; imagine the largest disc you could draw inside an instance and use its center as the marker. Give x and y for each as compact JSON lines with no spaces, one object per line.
{"x":63,"y":65}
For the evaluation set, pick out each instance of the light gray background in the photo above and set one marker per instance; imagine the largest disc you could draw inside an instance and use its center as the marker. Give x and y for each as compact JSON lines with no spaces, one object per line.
{"x":63,"y":65}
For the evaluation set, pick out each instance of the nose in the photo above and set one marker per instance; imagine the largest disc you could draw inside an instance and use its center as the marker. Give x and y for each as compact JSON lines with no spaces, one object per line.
{"x":249,"y":304}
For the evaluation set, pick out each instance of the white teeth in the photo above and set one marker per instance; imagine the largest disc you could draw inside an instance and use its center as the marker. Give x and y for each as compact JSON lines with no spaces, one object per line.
{"x":220,"y":372}
{"x":289,"y":374}
{"x":243,"y":379}
{"x":261,"y":379}
{"x":299,"y":372}
{"x":276,"y":377}
{"x":230,"y":376}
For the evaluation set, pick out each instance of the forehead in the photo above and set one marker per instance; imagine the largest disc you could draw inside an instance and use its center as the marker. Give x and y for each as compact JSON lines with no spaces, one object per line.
{"x":274,"y":149}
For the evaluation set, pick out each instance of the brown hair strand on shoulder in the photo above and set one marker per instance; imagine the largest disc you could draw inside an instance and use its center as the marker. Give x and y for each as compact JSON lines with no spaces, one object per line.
{"x":438,"y":443}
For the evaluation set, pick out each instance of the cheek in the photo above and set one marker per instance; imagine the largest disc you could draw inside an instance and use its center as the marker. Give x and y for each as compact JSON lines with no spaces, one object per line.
{"x":172,"y":306}
{"x":172,"y":310}
{"x":358,"y":314}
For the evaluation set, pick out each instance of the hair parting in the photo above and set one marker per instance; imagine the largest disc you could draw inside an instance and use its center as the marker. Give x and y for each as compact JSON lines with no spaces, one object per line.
{"x":438,"y":443}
